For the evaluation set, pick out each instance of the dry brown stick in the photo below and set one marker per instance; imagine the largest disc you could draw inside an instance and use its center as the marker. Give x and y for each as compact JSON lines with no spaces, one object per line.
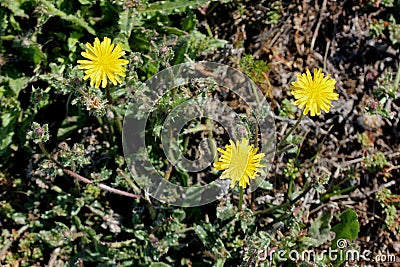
{"x":385,"y":185}
{"x":53,"y":257}
{"x":328,"y":43}
{"x":101,"y":186}
{"x":86,"y":180}
{"x":339,"y":166}
{"x":393,"y":168}
{"x":314,"y":38}
{"x":319,"y":207}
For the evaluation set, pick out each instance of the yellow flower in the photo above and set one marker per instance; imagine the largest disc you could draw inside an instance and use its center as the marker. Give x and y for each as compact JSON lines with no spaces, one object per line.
{"x":103,"y":63}
{"x":314,"y":93}
{"x":239,"y":162}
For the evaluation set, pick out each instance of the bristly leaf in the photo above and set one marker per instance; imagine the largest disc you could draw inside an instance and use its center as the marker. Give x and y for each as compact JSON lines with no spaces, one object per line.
{"x":348,"y":228}
{"x":171,"y":7}
{"x":128,"y":20}
{"x":319,"y":230}
{"x":53,"y":11}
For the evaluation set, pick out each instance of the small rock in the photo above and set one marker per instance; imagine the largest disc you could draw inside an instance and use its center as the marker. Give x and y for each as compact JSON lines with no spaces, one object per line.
{"x":370,"y":122}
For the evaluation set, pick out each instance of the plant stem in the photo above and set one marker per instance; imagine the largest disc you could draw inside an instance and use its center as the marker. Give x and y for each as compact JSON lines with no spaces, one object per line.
{"x":240,"y":197}
{"x":290,"y":187}
{"x":284,"y":205}
{"x":284,"y":149}
{"x":290,"y":132}
{"x":212,"y":143}
{"x":108,"y":96}
{"x":7,"y":37}
{"x":118,"y":120}
{"x":84,"y":179}
{"x":129,"y":181}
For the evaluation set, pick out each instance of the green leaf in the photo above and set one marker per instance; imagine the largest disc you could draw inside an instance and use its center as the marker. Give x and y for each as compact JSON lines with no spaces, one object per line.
{"x":141,"y":235}
{"x":128,"y":20}
{"x":2,"y":91}
{"x":179,"y":215}
{"x":86,"y":2}
{"x":220,"y":262}
{"x":394,"y":33}
{"x":6,"y":119}
{"x":73,"y":40}
{"x":17,"y":85}
{"x":348,"y":227}
{"x":36,"y":54}
{"x":6,"y":140}
{"x":140,"y":41}
{"x":226,"y":212}
{"x":171,"y":7}
{"x":189,"y":22}
{"x":6,"y":132}
{"x":319,"y":230}
{"x":174,"y":31}
{"x":266,"y":185}
{"x":78,"y":21}
{"x":19,"y":218}
{"x":159,"y":264}
{"x":15,"y":7}
{"x":246,"y":220}
{"x":125,"y":23}
{"x":69,"y":125}
{"x":201,"y":233}
{"x":190,"y":45}
{"x":182,"y":49}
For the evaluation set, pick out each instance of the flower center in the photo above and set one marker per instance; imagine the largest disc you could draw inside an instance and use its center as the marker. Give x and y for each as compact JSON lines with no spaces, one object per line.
{"x":239,"y":161}
{"x":104,"y":62}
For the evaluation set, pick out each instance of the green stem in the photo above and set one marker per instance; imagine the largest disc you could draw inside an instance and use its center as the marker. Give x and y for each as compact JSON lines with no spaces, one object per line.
{"x":118,"y":120}
{"x":7,"y":37}
{"x":129,"y":181}
{"x":209,"y":31}
{"x":108,"y":95}
{"x":284,"y":205}
{"x":290,"y":187}
{"x":240,"y":197}
{"x":185,"y":145}
{"x":290,"y":132}
{"x":284,"y":149}
{"x":327,"y":196}
{"x":174,"y":89}
{"x":117,"y":117}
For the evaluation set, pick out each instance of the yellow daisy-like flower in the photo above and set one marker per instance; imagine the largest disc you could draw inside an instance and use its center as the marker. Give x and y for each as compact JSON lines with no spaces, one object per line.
{"x":104,"y":63}
{"x":239,"y":162}
{"x":314,"y":93}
